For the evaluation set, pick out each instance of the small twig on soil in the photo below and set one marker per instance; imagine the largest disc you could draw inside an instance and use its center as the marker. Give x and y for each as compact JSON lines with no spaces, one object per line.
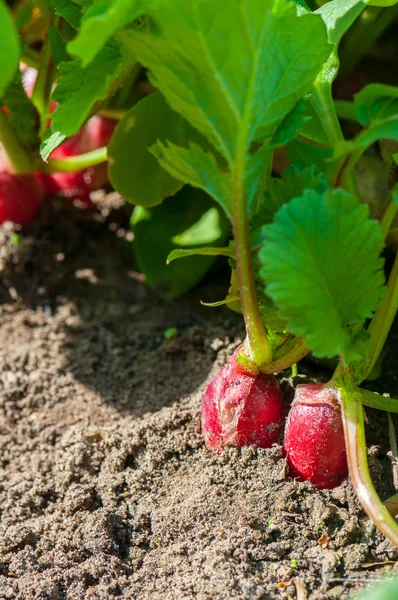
{"x":302,"y":593}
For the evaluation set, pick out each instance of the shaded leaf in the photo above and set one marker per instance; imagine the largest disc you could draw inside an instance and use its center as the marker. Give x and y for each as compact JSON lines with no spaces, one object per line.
{"x":177,"y":219}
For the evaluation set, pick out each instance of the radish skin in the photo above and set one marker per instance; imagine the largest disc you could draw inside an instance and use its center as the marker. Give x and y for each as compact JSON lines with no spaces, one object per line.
{"x":242,"y":408}
{"x":314,"y":437}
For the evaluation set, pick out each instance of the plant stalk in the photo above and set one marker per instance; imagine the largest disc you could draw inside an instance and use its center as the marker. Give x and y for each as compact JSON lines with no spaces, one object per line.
{"x":373,"y":400}
{"x":259,"y":345}
{"x":383,"y":319}
{"x":289,"y":356}
{"x":45,"y":77}
{"x":76,"y":163}
{"x":345,"y":110}
{"x":16,"y":153}
{"x":387,"y":216}
{"x":354,"y":433}
{"x":323,"y":105}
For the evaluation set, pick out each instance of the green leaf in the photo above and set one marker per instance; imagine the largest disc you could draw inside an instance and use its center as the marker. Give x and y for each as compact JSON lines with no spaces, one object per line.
{"x":9,"y":47}
{"x":205,"y":251}
{"x":292,"y":184}
{"x":78,"y":90}
{"x":375,"y":101}
{"x":321,"y":266}
{"x":376,"y":108}
{"x":158,"y":231}
{"x":24,"y":118}
{"x":133,"y":170}
{"x":197,"y":168}
{"x":384,"y":3}
{"x":68,"y":10}
{"x":303,"y":155}
{"x":100,"y":22}
{"x":395,"y":157}
{"x":384,"y":591}
{"x":58,"y":46}
{"x":339,"y":15}
{"x":191,"y":49}
{"x":293,"y":124}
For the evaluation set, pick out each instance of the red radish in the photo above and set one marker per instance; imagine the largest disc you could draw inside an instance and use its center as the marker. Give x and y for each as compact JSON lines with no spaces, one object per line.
{"x":314,"y":437}
{"x":21,"y":197}
{"x":78,"y":185}
{"x":241,"y":408}
{"x":100,"y":131}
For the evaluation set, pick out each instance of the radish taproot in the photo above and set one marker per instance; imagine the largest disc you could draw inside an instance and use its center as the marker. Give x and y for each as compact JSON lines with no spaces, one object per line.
{"x":314,"y":437}
{"x":242,"y":408}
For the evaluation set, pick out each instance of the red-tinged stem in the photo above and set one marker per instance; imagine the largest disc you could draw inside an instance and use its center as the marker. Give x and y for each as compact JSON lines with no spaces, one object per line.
{"x":261,"y":351}
{"x":354,"y":433}
{"x":16,"y":153}
{"x":76,"y":163}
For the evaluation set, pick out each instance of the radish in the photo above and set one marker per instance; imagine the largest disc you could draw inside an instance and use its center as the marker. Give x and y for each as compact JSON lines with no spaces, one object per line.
{"x":78,"y":185}
{"x":21,"y":197}
{"x":241,"y":408}
{"x":314,"y":437}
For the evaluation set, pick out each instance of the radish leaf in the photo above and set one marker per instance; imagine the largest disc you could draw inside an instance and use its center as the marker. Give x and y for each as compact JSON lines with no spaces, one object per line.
{"x":100,"y":22}
{"x":321,"y":266}
{"x":78,"y":90}
{"x":9,"y":47}
{"x":135,"y":172}
{"x":190,"y":219}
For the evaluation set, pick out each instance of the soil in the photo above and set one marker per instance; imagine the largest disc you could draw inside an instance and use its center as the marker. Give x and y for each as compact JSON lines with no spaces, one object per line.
{"x":106,"y":488}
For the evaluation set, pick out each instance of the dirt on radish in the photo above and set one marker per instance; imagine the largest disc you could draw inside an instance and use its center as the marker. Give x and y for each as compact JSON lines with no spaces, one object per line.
{"x":107,"y":489}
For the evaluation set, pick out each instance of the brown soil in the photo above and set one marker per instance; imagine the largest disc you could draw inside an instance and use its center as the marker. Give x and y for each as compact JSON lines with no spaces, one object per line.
{"x":107,"y":490}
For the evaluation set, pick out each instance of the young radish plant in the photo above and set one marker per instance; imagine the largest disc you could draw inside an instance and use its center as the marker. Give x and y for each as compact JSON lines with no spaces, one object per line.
{"x":71,"y":162}
{"x":306,"y":254}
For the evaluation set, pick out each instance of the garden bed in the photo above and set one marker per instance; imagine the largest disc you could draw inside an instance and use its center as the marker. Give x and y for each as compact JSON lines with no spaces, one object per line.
{"x":107,"y":489}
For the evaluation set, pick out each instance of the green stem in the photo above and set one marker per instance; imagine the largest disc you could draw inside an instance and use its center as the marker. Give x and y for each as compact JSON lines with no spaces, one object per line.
{"x":261,"y":351}
{"x":76,"y":163}
{"x":31,"y":58}
{"x":383,"y":319}
{"x":373,"y":400}
{"x":14,"y":150}
{"x":113,"y":113}
{"x":45,"y":77}
{"x":387,"y":216}
{"x":345,"y":110}
{"x":323,"y":104}
{"x":363,"y":34}
{"x":354,"y":433}
{"x":289,"y":354}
